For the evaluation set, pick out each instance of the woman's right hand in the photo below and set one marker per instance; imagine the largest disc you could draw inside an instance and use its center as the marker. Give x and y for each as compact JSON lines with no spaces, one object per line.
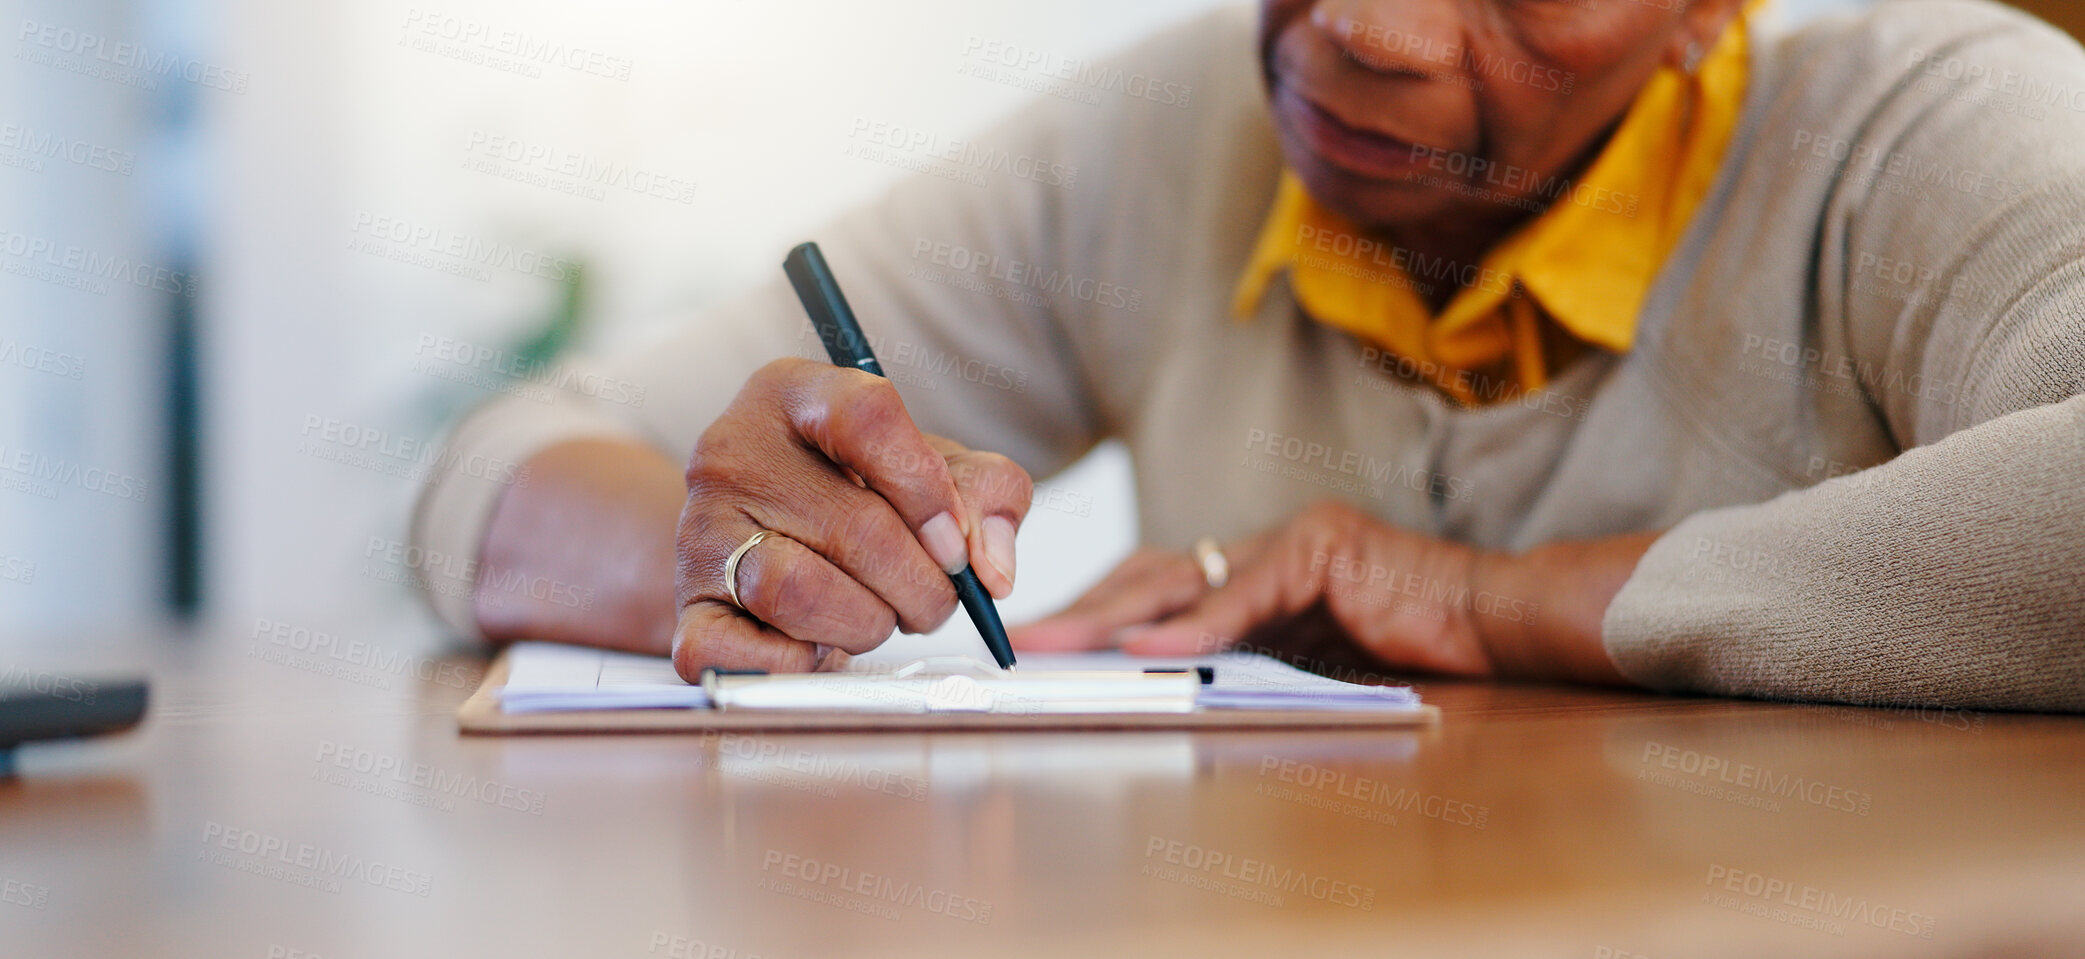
{"x":866,"y":518}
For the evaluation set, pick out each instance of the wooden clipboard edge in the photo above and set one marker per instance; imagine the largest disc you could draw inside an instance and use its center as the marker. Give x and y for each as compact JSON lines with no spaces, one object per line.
{"x":480,"y":714}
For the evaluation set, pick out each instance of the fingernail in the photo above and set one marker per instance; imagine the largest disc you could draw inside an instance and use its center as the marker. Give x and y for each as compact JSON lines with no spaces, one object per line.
{"x":944,"y":541}
{"x":999,"y":545}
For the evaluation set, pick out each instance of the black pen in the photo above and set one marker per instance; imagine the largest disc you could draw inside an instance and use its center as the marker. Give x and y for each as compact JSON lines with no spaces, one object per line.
{"x":844,"y":342}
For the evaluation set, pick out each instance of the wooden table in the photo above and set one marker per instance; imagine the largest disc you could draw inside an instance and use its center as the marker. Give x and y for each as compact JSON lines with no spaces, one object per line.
{"x":297,"y":803}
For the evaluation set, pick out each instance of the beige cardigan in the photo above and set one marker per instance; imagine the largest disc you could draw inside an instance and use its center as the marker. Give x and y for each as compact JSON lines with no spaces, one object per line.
{"x":1892,"y":261}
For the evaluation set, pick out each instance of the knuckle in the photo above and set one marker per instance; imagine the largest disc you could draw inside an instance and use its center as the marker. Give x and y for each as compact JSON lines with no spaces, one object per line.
{"x":940,"y":608}
{"x":999,"y":478}
{"x":708,"y":459}
{"x":1145,"y":557}
{"x":811,"y":600}
{"x":792,"y":595}
{"x":867,"y":528}
{"x":1183,"y":572}
{"x":865,"y":405}
{"x":866,"y":630}
{"x":894,"y":457}
{"x":929,"y":602}
{"x":698,"y":562}
{"x":779,"y":373}
{"x":694,"y":650}
{"x":726,"y":448}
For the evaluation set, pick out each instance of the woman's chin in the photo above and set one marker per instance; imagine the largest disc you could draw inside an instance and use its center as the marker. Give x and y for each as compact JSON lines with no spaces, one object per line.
{"x":1377,"y":203}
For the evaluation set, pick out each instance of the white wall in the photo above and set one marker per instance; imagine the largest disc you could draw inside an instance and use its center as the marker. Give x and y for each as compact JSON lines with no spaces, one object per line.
{"x":752,"y":104}
{"x":79,"y":342}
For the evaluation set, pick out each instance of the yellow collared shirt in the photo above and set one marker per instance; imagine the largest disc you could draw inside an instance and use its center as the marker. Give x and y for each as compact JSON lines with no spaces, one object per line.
{"x":1585,"y":263}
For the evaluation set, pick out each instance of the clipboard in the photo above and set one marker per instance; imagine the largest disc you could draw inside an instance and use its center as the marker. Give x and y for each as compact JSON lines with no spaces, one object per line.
{"x":482,"y":714}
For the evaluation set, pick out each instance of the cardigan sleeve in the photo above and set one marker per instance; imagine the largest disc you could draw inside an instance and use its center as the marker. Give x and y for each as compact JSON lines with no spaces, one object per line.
{"x":1954,"y":573}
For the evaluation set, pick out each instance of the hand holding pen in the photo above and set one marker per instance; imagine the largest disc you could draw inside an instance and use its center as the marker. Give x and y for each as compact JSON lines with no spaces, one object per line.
{"x":820,"y":518}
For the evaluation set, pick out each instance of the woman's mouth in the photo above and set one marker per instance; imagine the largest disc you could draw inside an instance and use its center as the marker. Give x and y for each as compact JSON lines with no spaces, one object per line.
{"x":1364,"y":153}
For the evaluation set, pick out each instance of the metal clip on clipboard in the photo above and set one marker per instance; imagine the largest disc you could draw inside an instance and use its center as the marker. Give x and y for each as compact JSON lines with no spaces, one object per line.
{"x":955,"y":684}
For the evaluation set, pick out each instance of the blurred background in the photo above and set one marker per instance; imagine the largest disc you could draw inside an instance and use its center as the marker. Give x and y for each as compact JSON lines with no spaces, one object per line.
{"x":238,"y":239}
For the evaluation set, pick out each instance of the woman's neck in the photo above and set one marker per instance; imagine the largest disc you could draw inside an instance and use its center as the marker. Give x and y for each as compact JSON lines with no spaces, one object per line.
{"x":1460,"y":244}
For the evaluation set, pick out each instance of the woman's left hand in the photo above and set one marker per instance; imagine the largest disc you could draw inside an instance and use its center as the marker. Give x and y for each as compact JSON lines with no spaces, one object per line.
{"x":1407,"y":600}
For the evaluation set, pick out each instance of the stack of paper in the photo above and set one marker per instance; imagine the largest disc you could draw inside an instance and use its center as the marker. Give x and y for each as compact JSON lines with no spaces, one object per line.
{"x":1244,"y":681}
{"x":545,"y":677}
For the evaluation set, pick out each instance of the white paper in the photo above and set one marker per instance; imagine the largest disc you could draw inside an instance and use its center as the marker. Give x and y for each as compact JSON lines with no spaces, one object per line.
{"x":1244,"y":681}
{"x":547,"y":677}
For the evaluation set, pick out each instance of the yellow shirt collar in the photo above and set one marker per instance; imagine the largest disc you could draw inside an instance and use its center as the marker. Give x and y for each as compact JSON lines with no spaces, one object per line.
{"x":1586,"y":262}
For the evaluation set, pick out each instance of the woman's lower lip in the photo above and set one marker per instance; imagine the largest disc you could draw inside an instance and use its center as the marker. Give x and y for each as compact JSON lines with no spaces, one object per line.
{"x":1365,"y":154}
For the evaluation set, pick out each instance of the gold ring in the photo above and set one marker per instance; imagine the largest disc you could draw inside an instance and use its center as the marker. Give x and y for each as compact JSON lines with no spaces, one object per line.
{"x":731,"y":566}
{"x":1216,"y":568}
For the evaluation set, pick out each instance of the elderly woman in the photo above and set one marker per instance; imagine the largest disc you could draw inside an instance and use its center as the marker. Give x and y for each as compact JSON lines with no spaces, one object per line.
{"x":1595,"y":340}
